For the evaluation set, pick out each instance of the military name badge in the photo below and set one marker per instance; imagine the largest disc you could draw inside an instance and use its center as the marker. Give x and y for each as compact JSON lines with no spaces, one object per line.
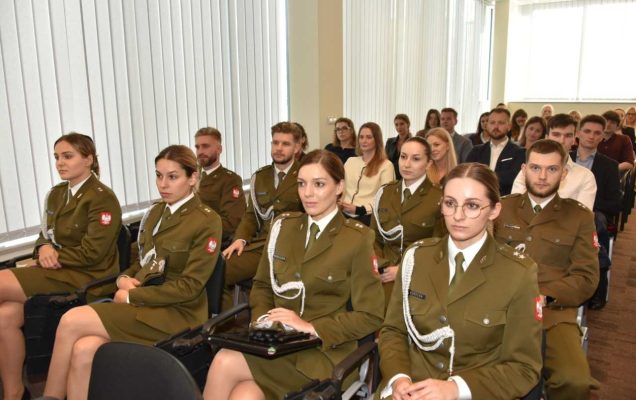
{"x":374,"y":264}
{"x":595,"y":242}
{"x":211,"y":246}
{"x":105,"y":218}
{"x":538,"y":308}
{"x":236,"y":192}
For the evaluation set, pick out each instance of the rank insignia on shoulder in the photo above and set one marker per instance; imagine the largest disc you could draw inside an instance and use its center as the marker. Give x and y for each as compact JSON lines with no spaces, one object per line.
{"x":236,"y":192}
{"x":100,"y":189}
{"x":105,"y":218}
{"x":211,"y":246}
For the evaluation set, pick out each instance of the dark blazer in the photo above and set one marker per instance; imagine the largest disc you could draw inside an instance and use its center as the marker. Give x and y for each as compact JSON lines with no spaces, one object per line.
{"x":393,"y":154}
{"x":608,"y":190}
{"x":508,"y":164}
{"x":475,"y":139}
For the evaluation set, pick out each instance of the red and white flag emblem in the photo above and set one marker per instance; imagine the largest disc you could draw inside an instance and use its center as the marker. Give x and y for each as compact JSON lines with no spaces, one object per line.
{"x":374,"y":264}
{"x":211,"y":247}
{"x":595,"y":242}
{"x":538,"y":308}
{"x":105,"y":218}
{"x":236,"y":192}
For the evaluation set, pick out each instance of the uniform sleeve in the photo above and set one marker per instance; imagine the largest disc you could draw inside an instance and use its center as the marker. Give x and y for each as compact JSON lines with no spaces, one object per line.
{"x":232,"y":208}
{"x":520,"y":360}
{"x":100,"y":233}
{"x":367,"y":300}
{"x":394,"y":347}
{"x":378,"y":244}
{"x":248,"y":226}
{"x":581,"y":279}
{"x":198,"y":269}
{"x":519,"y":185}
{"x":261,"y":295}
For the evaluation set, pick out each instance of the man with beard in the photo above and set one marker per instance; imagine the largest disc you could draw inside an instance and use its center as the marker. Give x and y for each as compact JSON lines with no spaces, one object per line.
{"x":462,"y":145}
{"x":219,"y":188}
{"x":559,"y":235}
{"x":273,"y":190}
{"x":579,"y":183}
{"x":500,"y":153}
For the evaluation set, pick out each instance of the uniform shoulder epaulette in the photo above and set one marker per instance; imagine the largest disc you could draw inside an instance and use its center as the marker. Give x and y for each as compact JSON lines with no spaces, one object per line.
{"x":355,"y":225}
{"x":511,"y":196}
{"x":393,"y":182}
{"x":427,"y":242}
{"x":205,"y":208}
{"x":289,"y":214}
{"x":61,"y":184}
{"x":264,"y":168}
{"x":515,"y":255}
{"x":574,"y":203}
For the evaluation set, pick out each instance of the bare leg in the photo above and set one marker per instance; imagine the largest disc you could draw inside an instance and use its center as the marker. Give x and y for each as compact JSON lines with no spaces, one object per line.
{"x":76,"y":324}
{"x":12,"y":300}
{"x":247,"y":390}
{"x":81,"y":364}
{"x":229,"y":370}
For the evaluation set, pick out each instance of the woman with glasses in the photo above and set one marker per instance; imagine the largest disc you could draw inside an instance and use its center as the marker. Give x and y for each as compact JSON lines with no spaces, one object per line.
{"x":464,"y":320}
{"x":344,"y":139}
{"x":405,"y":210}
{"x":365,"y":174}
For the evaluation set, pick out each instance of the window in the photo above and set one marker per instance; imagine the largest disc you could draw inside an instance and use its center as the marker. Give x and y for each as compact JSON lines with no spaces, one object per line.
{"x":571,"y":50}
{"x":408,"y":56}
{"x":137,"y":76}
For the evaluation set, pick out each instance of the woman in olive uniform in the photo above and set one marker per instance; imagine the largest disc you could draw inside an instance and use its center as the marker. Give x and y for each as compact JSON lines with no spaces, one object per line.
{"x":161,"y":294}
{"x":405,"y":210}
{"x":464,"y":320}
{"x":77,"y":244}
{"x":314,"y":265}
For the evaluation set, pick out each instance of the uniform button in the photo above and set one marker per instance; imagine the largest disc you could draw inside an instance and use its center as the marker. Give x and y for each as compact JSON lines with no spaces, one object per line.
{"x":278,"y":201}
{"x":529,"y":238}
{"x":443,"y":319}
{"x":423,"y":223}
{"x":439,"y":365}
{"x":297,"y":275}
{"x":557,"y":240}
{"x":486,"y":321}
{"x":330,"y":278}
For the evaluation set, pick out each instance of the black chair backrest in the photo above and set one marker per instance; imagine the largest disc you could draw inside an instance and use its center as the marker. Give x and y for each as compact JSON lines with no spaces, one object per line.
{"x":214,"y":287}
{"x":123,"y":247}
{"x":128,"y":371}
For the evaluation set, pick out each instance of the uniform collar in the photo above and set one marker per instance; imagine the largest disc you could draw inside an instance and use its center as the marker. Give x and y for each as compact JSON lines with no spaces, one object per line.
{"x":469,"y":252}
{"x":175,"y":206}
{"x":208,"y":171}
{"x":323,"y":222}
{"x":78,"y":186}
{"x":414,"y":186}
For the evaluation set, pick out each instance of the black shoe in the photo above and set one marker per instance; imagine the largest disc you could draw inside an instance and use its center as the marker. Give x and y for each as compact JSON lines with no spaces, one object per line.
{"x":26,"y":395}
{"x":596,"y":304}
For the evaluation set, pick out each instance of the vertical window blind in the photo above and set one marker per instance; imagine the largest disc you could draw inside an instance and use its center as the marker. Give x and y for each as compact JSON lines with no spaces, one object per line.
{"x":137,"y":76}
{"x":405,"y":56}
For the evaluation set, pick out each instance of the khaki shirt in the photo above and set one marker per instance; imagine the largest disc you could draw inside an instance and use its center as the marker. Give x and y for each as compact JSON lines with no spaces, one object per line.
{"x":562,"y":241}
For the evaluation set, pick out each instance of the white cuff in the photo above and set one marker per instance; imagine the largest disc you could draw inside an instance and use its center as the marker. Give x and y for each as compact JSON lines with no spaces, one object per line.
{"x":388,"y":389}
{"x":462,"y":386}
{"x":128,"y":298}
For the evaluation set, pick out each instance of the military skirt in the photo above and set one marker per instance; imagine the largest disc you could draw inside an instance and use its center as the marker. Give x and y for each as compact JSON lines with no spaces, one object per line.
{"x":280,"y":376}
{"x":36,"y":280}
{"x":122,"y":325}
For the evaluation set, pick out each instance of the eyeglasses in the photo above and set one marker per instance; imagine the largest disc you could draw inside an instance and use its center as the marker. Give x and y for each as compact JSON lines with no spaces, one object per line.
{"x":342,"y":128}
{"x":470,"y":210}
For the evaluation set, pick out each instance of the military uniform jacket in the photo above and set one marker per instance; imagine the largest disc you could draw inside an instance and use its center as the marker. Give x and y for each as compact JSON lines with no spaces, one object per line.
{"x":283,"y":198}
{"x":492,"y":312}
{"x":562,"y":241}
{"x":85,"y":231}
{"x":419,"y":215}
{"x":222,"y":191}
{"x":190,"y":240}
{"x":336,"y":270}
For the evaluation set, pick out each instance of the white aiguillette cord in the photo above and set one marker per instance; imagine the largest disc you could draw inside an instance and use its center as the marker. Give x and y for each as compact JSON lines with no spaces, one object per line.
{"x":397,"y":232}
{"x":437,"y":336}
{"x":293,"y":285}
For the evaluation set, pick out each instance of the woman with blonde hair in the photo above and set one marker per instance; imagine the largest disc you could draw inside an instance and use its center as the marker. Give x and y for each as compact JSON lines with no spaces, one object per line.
{"x":442,"y":154}
{"x":630,"y":117}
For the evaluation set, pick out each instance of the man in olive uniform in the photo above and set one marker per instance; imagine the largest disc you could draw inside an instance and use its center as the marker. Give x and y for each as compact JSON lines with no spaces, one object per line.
{"x":219,"y":188}
{"x":273,"y":190}
{"x":560,"y":236}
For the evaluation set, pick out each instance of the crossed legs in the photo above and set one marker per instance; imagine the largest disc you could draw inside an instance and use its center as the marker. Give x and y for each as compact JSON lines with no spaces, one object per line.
{"x":229,"y":377}
{"x":12,"y":299}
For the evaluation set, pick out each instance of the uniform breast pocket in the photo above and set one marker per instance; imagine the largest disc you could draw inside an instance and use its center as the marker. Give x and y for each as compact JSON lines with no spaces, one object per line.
{"x":384,"y":216}
{"x":556,"y":247}
{"x":177,"y":252}
{"x":331,"y":282}
{"x":75,"y":231}
{"x":484,"y":329}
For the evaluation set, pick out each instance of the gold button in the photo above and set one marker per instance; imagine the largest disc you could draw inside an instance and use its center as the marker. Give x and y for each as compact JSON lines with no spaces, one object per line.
{"x":329,"y":278}
{"x":529,"y":238}
{"x":486,"y":321}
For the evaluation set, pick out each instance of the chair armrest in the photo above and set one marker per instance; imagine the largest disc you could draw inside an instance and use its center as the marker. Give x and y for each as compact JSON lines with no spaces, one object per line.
{"x":353,"y":361}
{"x":209,"y":327}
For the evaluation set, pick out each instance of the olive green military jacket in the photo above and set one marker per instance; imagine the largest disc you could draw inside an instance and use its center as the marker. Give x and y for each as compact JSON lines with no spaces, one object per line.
{"x":562,"y":241}
{"x":190,"y":240}
{"x":222,"y":191}
{"x":492,"y":312}
{"x":84,"y":232}
{"x":283,"y":198}
{"x":338,"y":268}
{"x":419,"y":215}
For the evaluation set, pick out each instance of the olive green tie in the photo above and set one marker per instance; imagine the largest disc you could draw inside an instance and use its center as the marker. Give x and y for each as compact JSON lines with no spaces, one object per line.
{"x":537,"y":209}
{"x":281,"y":176}
{"x":313,"y":233}
{"x":407,"y":195}
{"x":459,"y":271}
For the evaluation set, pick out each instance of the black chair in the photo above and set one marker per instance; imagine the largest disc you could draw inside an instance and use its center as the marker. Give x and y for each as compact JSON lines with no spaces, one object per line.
{"x":11,"y":263}
{"x":42,"y":312}
{"x":214,"y":287}
{"x":127,"y":371}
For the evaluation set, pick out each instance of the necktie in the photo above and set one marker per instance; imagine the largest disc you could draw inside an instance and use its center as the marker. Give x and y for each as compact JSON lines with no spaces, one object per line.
{"x":459,"y":271}
{"x":313,"y":233}
{"x":537,"y":209}
{"x":166,"y":213}
{"x":407,"y":195}
{"x":69,"y":194}
{"x":281,"y":176}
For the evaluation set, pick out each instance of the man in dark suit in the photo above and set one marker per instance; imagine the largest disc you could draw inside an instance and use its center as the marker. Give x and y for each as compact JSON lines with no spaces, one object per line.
{"x":500,"y":153}
{"x":607,"y":202}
